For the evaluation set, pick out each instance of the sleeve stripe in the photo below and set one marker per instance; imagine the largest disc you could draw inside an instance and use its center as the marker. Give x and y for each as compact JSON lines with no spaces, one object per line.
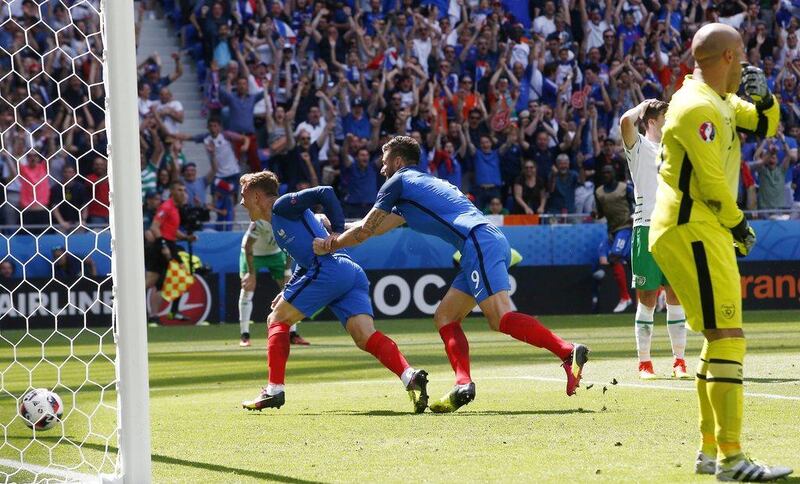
{"x":685,"y":210}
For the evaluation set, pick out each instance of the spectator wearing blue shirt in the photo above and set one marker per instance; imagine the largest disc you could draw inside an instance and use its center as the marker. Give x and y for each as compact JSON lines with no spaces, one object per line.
{"x":222,"y":52}
{"x":796,"y":191}
{"x":511,"y":159}
{"x":360,"y":179}
{"x":242,"y":107}
{"x":563,"y":183}
{"x":446,"y":163}
{"x":152,"y":75}
{"x":549,"y":89}
{"x":541,"y":152}
{"x":598,"y":94}
{"x":671,"y":12}
{"x":355,"y":121}
{"x":196,"y":187}
{"x":480,"y":62}
{"x":629,"y":32}
{"x":651,"y":87}
{"x":770,"y":72}
{"x":371,"y":18}
{"x":487,"y":171}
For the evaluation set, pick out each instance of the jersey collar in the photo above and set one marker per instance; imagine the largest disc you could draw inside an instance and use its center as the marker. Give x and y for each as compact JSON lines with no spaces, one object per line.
{"x":409,"y":168}
{"x":701,"y":85}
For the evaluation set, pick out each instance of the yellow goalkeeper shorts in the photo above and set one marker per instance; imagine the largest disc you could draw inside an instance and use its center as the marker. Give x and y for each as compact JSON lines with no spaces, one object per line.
{"x":699,"y":261}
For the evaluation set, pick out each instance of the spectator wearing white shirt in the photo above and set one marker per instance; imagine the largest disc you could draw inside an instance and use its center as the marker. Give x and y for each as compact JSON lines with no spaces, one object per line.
{"x":223,"y":159}
{"x":545,"y":24}
{"x":169,"y":111}
{"x":313,"y":125}
{"x":145,"y":104}
{"x":593,"y":25}
{"x":421,"y":46}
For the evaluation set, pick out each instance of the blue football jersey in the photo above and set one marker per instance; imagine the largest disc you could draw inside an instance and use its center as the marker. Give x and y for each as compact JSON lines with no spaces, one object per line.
{"x":430,"y":205}
{"x":295,"y":225}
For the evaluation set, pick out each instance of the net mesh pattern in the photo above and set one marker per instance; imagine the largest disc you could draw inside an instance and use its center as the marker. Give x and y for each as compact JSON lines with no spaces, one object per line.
{"x":56,"y":327}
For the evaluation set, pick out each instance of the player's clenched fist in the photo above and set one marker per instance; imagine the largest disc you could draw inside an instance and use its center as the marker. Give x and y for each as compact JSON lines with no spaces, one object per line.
{"x":323,"y":246}
{"x":754,"y":83}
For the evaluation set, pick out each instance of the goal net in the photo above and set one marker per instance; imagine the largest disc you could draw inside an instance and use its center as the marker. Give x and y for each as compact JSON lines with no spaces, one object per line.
{"x":58,"y":311}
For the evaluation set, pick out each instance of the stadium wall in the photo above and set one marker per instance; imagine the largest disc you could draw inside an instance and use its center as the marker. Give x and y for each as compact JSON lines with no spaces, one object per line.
{"x":409,"y":272}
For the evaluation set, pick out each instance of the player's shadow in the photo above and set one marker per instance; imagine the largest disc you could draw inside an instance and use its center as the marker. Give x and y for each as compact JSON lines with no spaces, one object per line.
{"x":569,"y":411}
{"x":368,"y":413}
{"x":163,"y":459}
{"x":771,"y":380}
{"x":394,"y":413}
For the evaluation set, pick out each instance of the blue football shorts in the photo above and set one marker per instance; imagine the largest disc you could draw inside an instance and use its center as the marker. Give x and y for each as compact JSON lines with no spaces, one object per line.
{"x":621,"y":245}
{"x":336,"y":282}
{"x":485,"y":259}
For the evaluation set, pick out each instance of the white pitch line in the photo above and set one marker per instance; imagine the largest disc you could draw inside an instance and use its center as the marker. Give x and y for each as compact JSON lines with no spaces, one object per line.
{"x":37,"y":469}
{"x":636,"y":385}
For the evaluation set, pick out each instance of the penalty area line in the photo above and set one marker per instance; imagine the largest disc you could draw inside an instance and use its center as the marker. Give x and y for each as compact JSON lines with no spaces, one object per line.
{"x":37,"y":469}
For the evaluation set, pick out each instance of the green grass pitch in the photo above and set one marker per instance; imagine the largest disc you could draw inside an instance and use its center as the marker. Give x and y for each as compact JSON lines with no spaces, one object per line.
{"x":348,"y":419}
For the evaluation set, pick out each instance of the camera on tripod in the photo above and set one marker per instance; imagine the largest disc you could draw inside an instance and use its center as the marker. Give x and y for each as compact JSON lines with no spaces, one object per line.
{"x":192,"y":218}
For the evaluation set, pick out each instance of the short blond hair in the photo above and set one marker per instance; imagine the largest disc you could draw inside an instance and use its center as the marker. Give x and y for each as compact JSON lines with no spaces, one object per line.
{"x":264,"y":181}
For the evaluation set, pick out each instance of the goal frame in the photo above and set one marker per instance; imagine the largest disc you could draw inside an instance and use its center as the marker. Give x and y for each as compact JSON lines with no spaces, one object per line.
{"x":127,"y":242}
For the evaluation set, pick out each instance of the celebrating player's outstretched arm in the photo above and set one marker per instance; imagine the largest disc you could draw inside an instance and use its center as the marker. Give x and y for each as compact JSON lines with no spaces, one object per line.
{"x":377,"y":222}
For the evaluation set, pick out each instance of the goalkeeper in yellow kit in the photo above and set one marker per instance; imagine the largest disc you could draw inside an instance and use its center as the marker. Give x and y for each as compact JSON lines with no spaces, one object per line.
{"x":696,"y":225}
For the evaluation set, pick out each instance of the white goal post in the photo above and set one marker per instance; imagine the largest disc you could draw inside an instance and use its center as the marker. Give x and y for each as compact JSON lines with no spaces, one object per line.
{"x":127,"y":250}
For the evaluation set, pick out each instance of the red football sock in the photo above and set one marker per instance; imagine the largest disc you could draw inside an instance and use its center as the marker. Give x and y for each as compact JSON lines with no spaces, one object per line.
{"x":385,"y":350}
{"x":622,"y":281}
{"x":457,"y":348}
{"x":530,"y":330}
{"x":277,"y":351}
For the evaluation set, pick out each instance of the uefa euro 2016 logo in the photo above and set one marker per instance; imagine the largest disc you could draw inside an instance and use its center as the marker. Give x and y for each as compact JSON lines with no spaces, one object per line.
{"x":707,"y":132}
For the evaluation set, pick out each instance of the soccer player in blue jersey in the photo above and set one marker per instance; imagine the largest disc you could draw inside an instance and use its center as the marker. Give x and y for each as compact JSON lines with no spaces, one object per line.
{"x":332,"y":280}
{"x":433,"y":206}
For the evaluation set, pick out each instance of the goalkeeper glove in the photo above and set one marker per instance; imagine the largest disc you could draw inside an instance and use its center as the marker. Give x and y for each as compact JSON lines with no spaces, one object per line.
{"x":744,"y":238}
{"x":754,"y":84}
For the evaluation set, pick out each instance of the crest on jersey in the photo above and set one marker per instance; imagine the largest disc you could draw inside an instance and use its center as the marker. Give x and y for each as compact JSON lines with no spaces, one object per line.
{"x":707,"y":132}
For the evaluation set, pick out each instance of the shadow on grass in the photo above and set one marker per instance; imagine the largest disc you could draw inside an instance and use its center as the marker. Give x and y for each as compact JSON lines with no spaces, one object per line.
{"x":163,"y":459}
{"x":771,"y":380}
{"x":569,"y":411}
{"x":394,"y":413}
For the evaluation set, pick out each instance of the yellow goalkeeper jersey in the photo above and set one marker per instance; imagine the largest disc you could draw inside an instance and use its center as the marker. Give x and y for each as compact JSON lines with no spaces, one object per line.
{"x":700,"y":156}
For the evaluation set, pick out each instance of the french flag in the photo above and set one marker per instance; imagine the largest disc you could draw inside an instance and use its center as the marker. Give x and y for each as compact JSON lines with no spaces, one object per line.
{"x":246,"y":8}
{"x":391,"y":58}
{"x":284,"y":30}
{"x":481,"y":68}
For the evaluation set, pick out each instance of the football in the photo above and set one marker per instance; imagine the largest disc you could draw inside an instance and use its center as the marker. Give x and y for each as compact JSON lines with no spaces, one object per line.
{"x":41,"y":408}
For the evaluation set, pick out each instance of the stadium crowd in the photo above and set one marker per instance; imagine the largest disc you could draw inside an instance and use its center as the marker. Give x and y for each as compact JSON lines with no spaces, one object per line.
{"x":523,"y":119}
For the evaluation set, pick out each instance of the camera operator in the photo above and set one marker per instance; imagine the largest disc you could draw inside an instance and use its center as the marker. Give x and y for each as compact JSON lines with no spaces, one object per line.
{"x":160,"y":240}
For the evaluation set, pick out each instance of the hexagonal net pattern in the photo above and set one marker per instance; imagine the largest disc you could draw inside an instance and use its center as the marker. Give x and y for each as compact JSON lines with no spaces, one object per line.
{"x":56,"y":328}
